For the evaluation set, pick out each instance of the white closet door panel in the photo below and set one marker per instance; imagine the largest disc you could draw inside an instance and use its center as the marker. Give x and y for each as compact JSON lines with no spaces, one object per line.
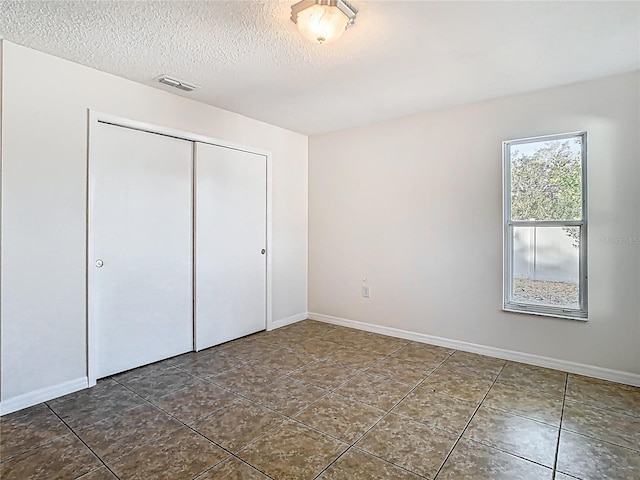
{"x":140,"y":227}
{"x":230,"y":280}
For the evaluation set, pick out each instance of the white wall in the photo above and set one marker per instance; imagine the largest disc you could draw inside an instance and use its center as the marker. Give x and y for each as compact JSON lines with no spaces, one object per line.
{"x":44,"y":123}
{"x":414,"y":206}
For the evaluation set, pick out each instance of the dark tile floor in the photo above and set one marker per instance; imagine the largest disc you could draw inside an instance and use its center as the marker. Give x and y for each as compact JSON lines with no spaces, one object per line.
{"x":312,"y":400}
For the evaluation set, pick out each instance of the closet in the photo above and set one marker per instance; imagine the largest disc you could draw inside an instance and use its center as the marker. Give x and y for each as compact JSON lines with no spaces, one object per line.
{"x":176,"y":246}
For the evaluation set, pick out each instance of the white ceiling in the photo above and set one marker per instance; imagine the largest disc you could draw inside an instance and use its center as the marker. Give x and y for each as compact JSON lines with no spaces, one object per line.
{"x":400,"y":57}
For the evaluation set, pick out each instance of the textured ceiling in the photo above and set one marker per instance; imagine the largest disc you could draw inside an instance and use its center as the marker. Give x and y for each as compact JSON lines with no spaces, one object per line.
{"x":400,"y":57}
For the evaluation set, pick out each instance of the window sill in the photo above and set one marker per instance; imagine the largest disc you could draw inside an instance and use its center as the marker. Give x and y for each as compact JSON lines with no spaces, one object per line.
{"x":547,"y":312}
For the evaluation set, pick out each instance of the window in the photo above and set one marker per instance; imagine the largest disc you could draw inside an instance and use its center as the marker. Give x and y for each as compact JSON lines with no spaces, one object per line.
{"x":545,"y":227}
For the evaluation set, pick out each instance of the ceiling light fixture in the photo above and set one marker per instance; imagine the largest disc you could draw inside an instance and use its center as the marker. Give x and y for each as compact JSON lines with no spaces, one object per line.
{"x":322,"y":21}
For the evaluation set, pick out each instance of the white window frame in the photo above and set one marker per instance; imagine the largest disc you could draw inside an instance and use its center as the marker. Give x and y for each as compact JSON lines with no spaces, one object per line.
{"x":580,"y":313}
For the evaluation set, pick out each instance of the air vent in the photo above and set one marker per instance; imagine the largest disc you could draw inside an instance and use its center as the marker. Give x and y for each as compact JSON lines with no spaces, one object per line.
{"x":174,"y":82}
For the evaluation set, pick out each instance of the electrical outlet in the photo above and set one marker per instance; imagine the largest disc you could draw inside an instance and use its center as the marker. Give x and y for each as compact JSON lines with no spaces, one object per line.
{"x":366,"y":291}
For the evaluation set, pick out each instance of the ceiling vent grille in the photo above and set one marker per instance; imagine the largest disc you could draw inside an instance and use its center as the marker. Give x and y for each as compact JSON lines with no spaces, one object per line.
{"x":179,"y":84}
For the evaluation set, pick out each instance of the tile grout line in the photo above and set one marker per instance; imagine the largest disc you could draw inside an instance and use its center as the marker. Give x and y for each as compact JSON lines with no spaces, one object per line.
{"x":365,"y":371}
{"x":245,"y":397}
{"x":328,"y":392}
{"x":85,"y":444}
{"x":557,"y":452}
{"x":358,"y":372}
{"x":291,"y":417}
{"x":512,"y":414}
{"x":119,"y":414}
{"x":38,"y":444}
{"x":288,"y":417}
{"x":149,"y":401}
{"x":334,"y":391}
{"x":201,"y":474}
{"x":352,"y":445}
{"x":592,"y":436}
{"x":468,"y":423}
{"x":522,"y":415}
{"x":193,"y":430}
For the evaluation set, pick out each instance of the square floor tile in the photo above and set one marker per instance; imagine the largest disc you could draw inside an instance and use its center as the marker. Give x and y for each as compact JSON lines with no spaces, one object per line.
{"x":457,"y":385}
{"x":325,"y":374}
{"x":195,"y":401}
{"x":177,"y":359}
{"x":236,"y":425}
{"x":607,"y":425}
{"x":311,"y":328}
{"x":207,"y":364}
{"x":316,"y":347}
{"x":354,"y":358}
{"x":538,"y":379}
{"x":25,"y":429}
{"x":182,"y":454}
{"x":404,"y":371}
{"x":375,"y":390}
{"x":591,"y":459}
{"x":340,"y":417}
{"x":358,"y":465}
{"x":59,"y":459}
{"x":280,"y":338}
{"x":159,"y":383}
{"x":286,"y":361}
{"x":382,"y":344}
{"x":247,"y":349}
{"x":423,"y":353}
{"x":600,"y":393}
{"x":474,"y":365}
{"x":526,"y":403}
{"x":288,"y":395}
{"x":415,"y":446}
{"x":432,"y":408}
{"x":118,"y":435}
{"x":232,"y":469}
{"x":293,"y":451}
{"x":519,"y":436}
{"x":246,"y":378}
{"x":144,"y":371}
{"x":347,"y":337}
{"x":473,"y":461}
{"x":88,"y":406}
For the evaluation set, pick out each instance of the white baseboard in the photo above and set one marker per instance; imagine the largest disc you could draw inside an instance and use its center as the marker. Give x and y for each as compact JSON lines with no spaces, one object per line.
{"x":564,"y":365}
{"x":287,"y":321}
{"x":42,"y":395}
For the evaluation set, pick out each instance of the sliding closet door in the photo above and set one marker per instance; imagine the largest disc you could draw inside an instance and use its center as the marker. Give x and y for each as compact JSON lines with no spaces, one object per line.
{"x":140,"y":248}
{"x":230,"y":238}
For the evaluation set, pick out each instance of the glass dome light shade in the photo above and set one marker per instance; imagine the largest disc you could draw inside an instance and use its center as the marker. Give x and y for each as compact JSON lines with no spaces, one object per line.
{"x":322,"y":23}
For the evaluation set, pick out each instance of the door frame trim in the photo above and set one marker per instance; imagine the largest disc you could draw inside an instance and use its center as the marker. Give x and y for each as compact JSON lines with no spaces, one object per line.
{"x":96,"y":117}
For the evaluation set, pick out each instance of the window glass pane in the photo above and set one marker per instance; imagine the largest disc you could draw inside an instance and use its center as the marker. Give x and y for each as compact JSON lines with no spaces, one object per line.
{"x":546,"y":180}
{"x":546,"y":266}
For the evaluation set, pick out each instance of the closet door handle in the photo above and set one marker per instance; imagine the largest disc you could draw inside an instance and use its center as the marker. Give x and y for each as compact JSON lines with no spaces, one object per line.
{"x":263,"y":251}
